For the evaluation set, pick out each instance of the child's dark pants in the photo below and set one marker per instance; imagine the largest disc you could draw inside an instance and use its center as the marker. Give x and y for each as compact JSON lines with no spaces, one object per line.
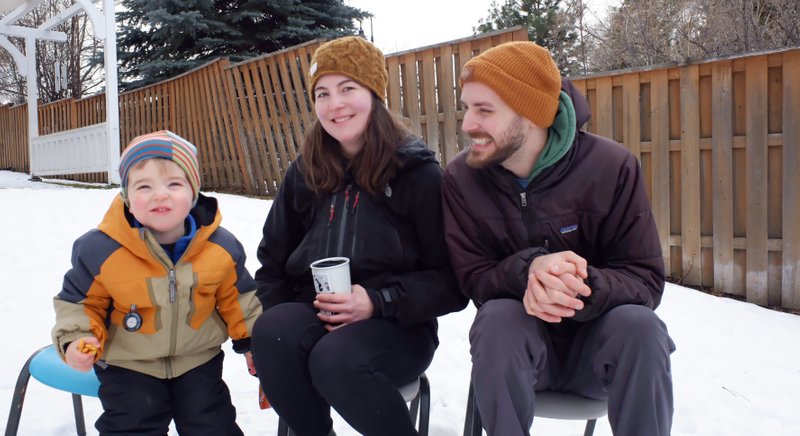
{"x":138,"y":404}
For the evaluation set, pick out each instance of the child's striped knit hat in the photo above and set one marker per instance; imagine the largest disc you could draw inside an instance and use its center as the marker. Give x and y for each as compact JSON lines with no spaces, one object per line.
{"x":163,"y":145}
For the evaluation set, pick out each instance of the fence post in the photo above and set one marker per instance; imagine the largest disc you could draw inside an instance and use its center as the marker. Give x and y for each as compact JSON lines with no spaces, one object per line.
{"x":790,"y":277}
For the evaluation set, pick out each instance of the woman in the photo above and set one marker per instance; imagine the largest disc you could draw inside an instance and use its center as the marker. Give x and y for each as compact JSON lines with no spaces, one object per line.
{"x":365,"y":189}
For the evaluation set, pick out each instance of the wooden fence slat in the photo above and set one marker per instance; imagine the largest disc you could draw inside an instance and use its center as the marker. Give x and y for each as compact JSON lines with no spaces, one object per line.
{"x":148,"y":109}
{"x":255,"y":98}
{"x":139,"y":120}
{"x":251,"y":109}
{"x":790,"y":274}
{"x":605,"y":126}
{"x":73,"y":114}
{"x":272,"y":127}
{"x":393,"y":93}
{"x":631,"y":132}
{"x":159,"y":107}
{"x":280,"y":114}
{"x":231,"y":126}
{"x":722,"y":170}
{"x":410,"y":92}
{"x":305,"y":58}
{"x":247,"y":147}
{"x":428,"y":87}
{"x":690,"y":174}
{"x":173,"y":104}
{"x":464,"y":54}
{"x":197,"y":118}
{"x":756,"y":253}
{"x":659,"y":87}
{"x":218,"y":160}
{"x":448,"y":105}
{"x":300,"y":93}
{"x":223,"y":147}
{"x":291,"y":102}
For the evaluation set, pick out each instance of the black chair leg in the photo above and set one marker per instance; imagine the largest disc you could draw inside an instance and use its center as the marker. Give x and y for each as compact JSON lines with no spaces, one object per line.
{"x":77,"y":406}
{"x":413,"y":409}
{"x":424,"y":397}
{"x":589,"y":431}
{"x":18,"y":399}
{"x":283,"y":428}
{"x":472,"y":421}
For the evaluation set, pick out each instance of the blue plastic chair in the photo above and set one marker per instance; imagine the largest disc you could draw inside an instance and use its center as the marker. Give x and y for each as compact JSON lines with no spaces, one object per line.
{"x":46,"y":366}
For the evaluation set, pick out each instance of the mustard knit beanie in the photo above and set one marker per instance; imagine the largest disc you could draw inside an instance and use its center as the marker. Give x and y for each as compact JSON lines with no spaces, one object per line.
{"x":353,"y":57}
{"x":523,"y":74}
{"x":160,"y":145}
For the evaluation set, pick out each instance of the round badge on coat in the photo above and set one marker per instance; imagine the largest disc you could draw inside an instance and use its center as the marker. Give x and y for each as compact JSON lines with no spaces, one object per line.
{"x":132,"y":320}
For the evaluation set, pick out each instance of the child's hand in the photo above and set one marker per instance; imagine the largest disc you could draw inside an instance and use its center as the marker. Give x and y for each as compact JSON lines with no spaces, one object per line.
{"x":81,"y":353}
{"x":251,"y":367}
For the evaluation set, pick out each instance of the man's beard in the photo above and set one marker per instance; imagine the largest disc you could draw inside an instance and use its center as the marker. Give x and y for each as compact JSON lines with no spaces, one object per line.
{"x":511,"y":141}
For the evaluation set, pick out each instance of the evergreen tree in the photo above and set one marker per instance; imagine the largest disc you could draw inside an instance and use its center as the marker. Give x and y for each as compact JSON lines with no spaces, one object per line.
{"x":159,"y":39}
{"x":548,"y":25}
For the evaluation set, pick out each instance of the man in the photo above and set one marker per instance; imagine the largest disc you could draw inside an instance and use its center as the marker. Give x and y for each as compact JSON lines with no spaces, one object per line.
{"x":551,"y":235}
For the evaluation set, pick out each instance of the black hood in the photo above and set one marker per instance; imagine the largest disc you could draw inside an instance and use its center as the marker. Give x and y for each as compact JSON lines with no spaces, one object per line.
{"x":415,"y":153}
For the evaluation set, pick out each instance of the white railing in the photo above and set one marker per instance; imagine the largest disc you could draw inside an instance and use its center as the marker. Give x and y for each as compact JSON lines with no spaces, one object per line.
{"x":76,"y":151}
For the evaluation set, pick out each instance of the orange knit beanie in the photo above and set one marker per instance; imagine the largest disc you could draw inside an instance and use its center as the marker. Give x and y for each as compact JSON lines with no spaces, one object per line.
{"x":354,"y":57}
{"x":523,"y":74}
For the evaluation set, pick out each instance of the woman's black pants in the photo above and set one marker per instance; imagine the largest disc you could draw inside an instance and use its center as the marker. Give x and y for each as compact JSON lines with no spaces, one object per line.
{"x":356,"y":369}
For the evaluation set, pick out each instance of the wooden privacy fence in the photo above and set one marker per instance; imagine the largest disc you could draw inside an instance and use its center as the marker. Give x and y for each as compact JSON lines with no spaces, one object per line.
{"x":14,"y":138}
{"x":720,"y":147}
{"x":718,"y":142}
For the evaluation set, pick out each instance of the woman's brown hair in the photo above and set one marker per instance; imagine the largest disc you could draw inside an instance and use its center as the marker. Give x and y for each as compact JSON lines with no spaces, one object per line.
{"x":324,"y":165}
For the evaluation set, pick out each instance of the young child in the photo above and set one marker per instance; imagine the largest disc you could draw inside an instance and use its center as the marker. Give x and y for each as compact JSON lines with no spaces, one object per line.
{"x":152,"y":294}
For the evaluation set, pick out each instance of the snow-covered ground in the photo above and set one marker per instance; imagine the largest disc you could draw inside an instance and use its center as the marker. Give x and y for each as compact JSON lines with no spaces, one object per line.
{"x":736,"y":370}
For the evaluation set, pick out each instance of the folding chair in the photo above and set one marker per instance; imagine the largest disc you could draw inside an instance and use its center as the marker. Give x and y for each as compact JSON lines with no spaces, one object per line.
{"x":555,"y":405}
{"x":46,"y":366}
{"x":417,"y":393}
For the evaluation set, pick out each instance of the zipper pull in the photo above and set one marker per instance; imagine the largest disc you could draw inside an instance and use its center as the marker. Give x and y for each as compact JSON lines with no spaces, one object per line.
{"x":547,"y":245}
{"x":330,"y":216}
{"x":173,"y":286}
{"x":355,"y":203}
{"x":523,"y":199}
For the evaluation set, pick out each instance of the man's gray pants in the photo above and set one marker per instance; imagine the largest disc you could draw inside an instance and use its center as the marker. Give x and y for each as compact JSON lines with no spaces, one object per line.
{"x":622,"y":356}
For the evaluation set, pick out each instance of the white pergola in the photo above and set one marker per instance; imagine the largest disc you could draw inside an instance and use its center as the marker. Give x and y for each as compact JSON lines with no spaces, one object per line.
{"x":85,"y":150}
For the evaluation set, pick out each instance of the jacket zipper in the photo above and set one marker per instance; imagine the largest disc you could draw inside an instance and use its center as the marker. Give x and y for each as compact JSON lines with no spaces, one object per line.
{"x":173,"y":298}
{"x":524,"y":212}
{"x":343,"y":223}
{"x":355,"y":225}
{"x":331,"y":216}
{"x":173,"y":337}
{"x":173,"y":286}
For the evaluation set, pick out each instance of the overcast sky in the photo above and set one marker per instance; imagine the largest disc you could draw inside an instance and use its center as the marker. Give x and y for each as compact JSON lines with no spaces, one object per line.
{"x":408,"y":24}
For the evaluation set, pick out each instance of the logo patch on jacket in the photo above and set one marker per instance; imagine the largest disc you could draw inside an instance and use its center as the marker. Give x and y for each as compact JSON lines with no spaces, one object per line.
{"x":568,"y":229}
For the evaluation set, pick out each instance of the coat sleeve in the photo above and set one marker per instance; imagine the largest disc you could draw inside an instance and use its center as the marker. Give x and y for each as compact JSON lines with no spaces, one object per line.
{"x":632,"y":269}
{"x":481,"y":276}
{"x":431,"y":290}
{"x":281,"y":235}
{"x":82,"y":304}
{"x":236,"y":298}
